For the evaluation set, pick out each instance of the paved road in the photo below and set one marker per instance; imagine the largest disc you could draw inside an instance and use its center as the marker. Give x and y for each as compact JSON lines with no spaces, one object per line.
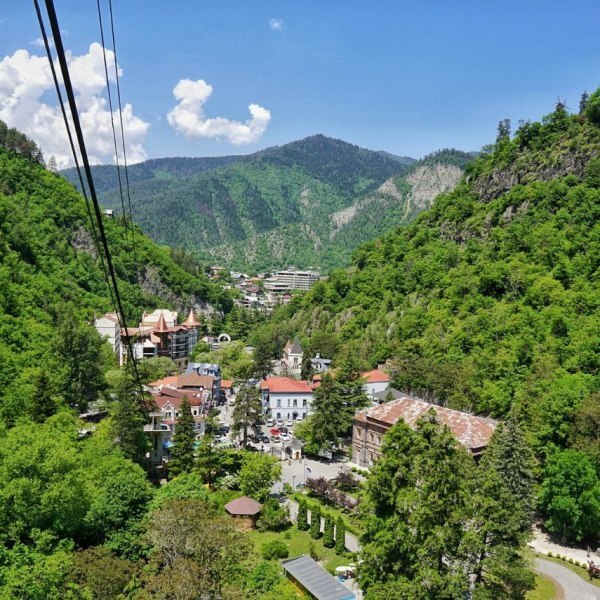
{"x":543,"y":544}
{"x":575,"y":587}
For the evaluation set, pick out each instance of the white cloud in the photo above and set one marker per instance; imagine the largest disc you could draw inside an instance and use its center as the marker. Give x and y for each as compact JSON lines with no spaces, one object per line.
{"x":39,"y":43}
{"x":276,"y":24}
{"x":25,"y":78}
{"x":188,"y":116}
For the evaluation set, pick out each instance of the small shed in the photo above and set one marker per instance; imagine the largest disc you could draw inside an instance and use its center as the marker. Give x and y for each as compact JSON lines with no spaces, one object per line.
{"x":246,"y":510}
{"x":314,"y":579}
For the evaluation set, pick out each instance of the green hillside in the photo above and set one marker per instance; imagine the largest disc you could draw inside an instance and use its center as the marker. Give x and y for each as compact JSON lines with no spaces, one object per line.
{"x":258,"y":211}
{"x":50,"y":276}
{"x":490,"y":301}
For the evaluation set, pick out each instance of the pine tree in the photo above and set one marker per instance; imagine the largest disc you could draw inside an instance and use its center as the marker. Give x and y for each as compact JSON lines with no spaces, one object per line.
{"x":43,"y":403}
{"x":248,"y":411}
{"x":340,"y":536}
{"x":315,"y":522}
{"x":306,"y":368}
{"x":302,"y":520}
{"x":328,"y":532}
{"x":182,"y":453}
{"x":127,"y":420}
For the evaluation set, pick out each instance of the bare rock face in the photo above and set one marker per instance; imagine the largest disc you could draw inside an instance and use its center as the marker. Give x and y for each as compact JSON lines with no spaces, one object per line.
{"x":428,"y":182}
{"x":527,"y":170}
{"x":84,"y":242}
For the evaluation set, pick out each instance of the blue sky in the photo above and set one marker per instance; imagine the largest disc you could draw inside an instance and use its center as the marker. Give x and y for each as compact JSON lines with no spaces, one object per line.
{"x":408,"y":78}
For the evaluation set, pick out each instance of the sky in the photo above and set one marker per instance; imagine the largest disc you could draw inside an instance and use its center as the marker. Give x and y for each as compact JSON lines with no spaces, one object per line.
{"x":232,"y":76}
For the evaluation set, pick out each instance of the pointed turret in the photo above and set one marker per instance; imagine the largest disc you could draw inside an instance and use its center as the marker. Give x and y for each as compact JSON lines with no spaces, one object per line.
{"x":191,"y":320}
{"x":161,"y":326}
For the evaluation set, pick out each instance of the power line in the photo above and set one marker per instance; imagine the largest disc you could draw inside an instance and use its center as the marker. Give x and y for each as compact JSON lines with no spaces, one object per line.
{"x":114,"y":45}
{"x":60,"y":51}
{"x":112,"y":123}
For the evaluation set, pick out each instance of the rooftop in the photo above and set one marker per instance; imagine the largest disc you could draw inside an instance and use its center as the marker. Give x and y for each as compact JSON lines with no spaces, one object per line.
{"x":471,"y":431}
{"x":243,"y":506}
{"x":285,"y":385}
{"x":314,"y":578}
{"x":376,"y":376}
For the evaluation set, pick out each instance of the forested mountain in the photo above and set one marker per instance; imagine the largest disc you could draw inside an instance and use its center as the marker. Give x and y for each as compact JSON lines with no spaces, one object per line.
{"x":286,"y":193}
{"x":490,"y":302}
{"x":51,"y":279}
{"x":309,"y":203}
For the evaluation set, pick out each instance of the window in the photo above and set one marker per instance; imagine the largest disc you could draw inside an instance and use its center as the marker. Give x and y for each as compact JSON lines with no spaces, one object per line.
{"x":278,"y":402}
{"x":370,"y":437}
{"x":296,"y":360}
{"x":295,"y":402}
{"x":288,"y":402}
{"x":279,"y":415}
{"x":305,"y":403}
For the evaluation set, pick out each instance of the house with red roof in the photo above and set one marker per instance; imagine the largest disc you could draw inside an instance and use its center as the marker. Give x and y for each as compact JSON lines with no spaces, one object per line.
{"x":371,"y":424}
{"x":375,"y":381}
{"x":286,"y":398}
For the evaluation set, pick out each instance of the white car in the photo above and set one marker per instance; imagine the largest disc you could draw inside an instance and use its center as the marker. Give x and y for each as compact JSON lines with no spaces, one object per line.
{"x":280,"y":422}
{"x":284,"y":437}
{"x":290,"y":423}
{"x":270,"y":423}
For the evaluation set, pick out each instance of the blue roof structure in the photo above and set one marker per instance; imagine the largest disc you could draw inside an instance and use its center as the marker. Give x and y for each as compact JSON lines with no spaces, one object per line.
{"x":316,"y":580}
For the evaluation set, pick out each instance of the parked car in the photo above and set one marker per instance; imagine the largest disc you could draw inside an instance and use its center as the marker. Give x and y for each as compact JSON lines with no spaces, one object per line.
{"x":290,"y":422}
{"x":275,"y":431}
{"x":270,"y":423}
{"x":284,"y":437}
{"x":283,"y":430}
{"x":275,"y":439}
{"x":280,"y":422}
{"x":265,"y":439}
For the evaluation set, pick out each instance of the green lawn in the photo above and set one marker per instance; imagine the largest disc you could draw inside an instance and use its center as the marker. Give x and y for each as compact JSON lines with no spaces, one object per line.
{"x":352,"y":525}
{"x":582,"y":572}
{"x":544,"y":589}
{"x":298,"y":544}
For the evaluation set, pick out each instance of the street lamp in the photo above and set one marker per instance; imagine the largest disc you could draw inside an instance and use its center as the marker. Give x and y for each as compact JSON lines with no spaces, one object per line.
{"x":293,"y":483}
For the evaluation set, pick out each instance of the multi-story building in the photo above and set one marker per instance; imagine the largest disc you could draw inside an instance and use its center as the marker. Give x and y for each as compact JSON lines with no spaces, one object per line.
{"x":291,"y":363}
{"x":375,"y":381}
{"x":108,"y":327}
{"x":286,"y":281}
{"x":285,"y":398}
{"x":371,"y":424}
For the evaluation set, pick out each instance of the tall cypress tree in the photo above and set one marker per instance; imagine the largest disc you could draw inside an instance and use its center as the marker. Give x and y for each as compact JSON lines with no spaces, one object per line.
{"x":315,"y":522}
{"x":340,"y":536}
{"x":328,"y":532}
{"x":248,"y":411}
{"x":302,"y":521}
{"x":182,"y":453}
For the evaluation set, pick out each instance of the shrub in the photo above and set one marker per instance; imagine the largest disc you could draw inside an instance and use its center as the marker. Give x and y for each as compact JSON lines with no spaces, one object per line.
{"x":314,"y":553}
{"x":273,"y":517}
{"x":302,"y":523}
{"x":328,"y":530}
{"x":570,"y":560}
{"x":340,"y":536}
{"x":274,"y":549}
{"x":315,"y":522}
{"x":550,"y":554}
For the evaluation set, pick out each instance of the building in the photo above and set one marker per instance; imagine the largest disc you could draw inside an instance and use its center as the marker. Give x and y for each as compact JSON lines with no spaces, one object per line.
{"x":291,"y":363}
{"x":320,"y":365}
{"x":169,"y":402}
{"x":286,"y":281}
{"x":313,"y":579}
{"x":286,"y":398}
{"x":375,"y":381}
{"x":108,"y":327}
{"x":246,"y":512}
{"x":371,"y":424}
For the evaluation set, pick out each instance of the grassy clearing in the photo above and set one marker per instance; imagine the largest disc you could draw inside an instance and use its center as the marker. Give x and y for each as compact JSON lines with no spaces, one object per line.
{"x":298,"y":543}
{"x":544,"y":589}
{"x":581,"y":571}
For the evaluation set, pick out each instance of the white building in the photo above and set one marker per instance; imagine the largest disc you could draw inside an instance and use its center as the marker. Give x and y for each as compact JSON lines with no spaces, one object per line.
{"x":285,"y":281}
{"x":291,"y":362}
{"x":108,"y":327}
{"x":375,"y":381}
{"x":285,"y":398}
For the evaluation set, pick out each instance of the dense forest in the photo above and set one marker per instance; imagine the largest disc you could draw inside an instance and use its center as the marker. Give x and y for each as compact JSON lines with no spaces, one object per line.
{"x":490,"y":302}
{"x":254,"y":212}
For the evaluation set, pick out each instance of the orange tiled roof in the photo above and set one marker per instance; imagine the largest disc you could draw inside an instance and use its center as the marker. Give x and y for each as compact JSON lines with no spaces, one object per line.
{"x":470,"y":430}
{"x":195,"y":380}
{"x":172,"y":380}
{"x":286,"y":385}
{"x":376,"y":376}
{"x":226,"y":383}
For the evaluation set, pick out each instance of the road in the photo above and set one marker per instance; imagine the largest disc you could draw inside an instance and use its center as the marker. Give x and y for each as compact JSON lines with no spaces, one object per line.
{"x":574,"y":587}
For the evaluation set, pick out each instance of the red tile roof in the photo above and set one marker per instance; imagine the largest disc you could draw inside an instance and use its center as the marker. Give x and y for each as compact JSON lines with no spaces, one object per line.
{"x":191,"y":320}
{"x":376,"y":376}
{"x":471,"y":431}
{"x":243,"y":506}
{"x":226,"y":384}
{"x":165,"y":381}
{"x":285,"y":385}
{"x":195,"y":380}
{"x":175,"y":397}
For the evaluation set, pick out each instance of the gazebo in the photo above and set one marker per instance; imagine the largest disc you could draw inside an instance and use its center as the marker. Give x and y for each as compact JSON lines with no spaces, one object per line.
{"x":246,"y":510}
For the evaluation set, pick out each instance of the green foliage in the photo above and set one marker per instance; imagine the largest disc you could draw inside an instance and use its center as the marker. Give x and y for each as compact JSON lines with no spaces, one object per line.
{"x":592,"y":110}
{"x":273,"y":516}
{"x":340,"y":536}
{"x":315,"y":522}
{"x":570,"y":496}
{"x":264,"y":578}
{"x":274,"y":550}
{"x":184,"y":441}
{"x":186,"y":485}
{"x":328,"y":532}
{"x":248,"y":411}
{"x":302,"y":519}
{"x":235,"y":362}
{"x":258,"y":474}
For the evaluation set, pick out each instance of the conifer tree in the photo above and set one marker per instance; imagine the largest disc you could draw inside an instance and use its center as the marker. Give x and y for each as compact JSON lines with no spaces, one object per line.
{"x":247,"y":412}
{"x":328,"y":532}
{"x":306,"y":368}
{"x":340,"y":536}
{"x":43,"y":403}
{"x":302,"y":521}
{"x":182,"y":453}
{"x":315,"y":522}
{"x":128,"y":418}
